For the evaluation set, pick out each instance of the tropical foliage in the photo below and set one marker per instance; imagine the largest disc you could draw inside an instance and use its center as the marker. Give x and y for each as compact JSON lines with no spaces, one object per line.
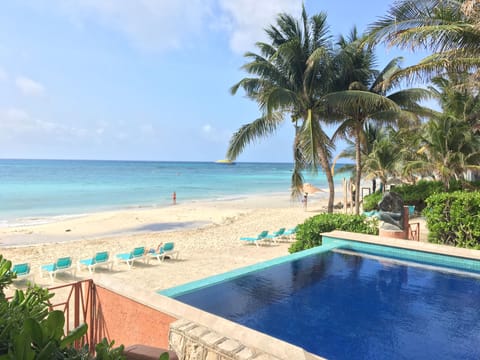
{"x":412,"y":194}
{"x":449,"y":28}
{"x":309,"y":233}
{"x":368,"y":95}
{"x":28,"y":330}
{"x":390,"y":135}
{"x":452,"y":219}
{"x":289,"y":75}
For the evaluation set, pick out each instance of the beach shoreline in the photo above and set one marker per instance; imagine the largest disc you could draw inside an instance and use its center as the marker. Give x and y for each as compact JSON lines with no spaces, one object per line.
{"x":206,"y":234}
{"x":137,"y":220}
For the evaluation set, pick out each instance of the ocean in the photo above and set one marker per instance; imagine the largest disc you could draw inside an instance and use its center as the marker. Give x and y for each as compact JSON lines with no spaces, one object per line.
{"x":33,"y":190}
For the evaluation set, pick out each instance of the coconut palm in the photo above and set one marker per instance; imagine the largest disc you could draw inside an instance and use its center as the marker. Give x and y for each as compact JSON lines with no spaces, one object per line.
{"x":289,"y":75}
{"x":369,"y":97}
{"x":449,"y":149}
{"x":460,"y":101}
{"x":449,"y":146}
{"x":383,"y":160}
{"x":371,"y":134}
{"x":448,"y":28}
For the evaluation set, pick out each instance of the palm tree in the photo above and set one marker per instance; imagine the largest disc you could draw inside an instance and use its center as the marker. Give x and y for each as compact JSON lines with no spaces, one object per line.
{"x":371,"y":135}
{"x":449,"y":146}
{"x":449,"y":149}
{"x":368,"y":97}
{"x":383,"y":160}
{"x":462,"y":102}
{"x":449,"y":28}
{"x":289,"y":75}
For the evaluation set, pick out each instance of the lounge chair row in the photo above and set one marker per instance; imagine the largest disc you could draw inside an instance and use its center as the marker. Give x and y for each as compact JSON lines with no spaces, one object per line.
{"x":264,"y":236}
{"x":140,"y":253}
{"x":102,"y":258}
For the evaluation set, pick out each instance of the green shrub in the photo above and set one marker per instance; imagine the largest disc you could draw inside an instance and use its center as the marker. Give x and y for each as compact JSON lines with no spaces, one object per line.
{"x":28,"y":330}
{"x":371,"y":201}
{"x":309,"y":233}
{"x":454,"y":219}
{"x":413,"y":194}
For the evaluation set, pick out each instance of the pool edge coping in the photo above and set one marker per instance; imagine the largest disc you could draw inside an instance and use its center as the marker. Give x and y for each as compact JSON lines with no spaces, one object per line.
{"x":232,"y":274}
{"x":339,"y":238}
{"x":406,"y":244}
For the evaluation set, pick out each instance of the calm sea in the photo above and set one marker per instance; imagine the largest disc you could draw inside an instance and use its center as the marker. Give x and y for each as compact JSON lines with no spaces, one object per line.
{"x":31,"y":190}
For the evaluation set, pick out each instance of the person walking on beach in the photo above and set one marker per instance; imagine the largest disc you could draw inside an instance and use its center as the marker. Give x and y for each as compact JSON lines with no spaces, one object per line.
{"x":304,"y":201}
{"x":174,"y":198}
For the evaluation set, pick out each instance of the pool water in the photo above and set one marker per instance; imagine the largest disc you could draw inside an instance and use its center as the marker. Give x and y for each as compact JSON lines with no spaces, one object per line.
{"x":343,"y":305}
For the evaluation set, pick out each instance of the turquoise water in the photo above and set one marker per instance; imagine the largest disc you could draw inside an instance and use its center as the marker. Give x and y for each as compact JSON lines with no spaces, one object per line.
{"x":43,"y":188}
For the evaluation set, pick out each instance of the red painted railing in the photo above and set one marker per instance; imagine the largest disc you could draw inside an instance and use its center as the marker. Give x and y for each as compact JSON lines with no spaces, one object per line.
{"x":78,"y":303}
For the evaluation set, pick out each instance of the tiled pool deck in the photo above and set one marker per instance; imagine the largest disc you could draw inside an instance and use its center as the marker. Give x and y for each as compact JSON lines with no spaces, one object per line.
{"x":466,"y":259}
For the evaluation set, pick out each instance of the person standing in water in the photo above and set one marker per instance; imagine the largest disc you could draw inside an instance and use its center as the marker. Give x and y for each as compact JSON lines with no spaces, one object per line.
{"x":174,"y":198}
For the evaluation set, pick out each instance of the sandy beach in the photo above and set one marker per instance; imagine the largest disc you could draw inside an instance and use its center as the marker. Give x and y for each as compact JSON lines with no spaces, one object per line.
{"x":206,"y":234}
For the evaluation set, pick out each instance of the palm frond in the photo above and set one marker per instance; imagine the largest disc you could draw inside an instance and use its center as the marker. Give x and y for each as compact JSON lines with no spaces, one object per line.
{"x":359,"y":103}
{"x":248,"y":133}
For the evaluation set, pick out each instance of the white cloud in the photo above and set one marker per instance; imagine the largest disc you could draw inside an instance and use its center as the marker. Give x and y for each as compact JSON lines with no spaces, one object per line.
{"x":171,"y":24}
{"x":247,"y":19}
{"x":151,"y":24}
{"x":29,"y":87}
{"x":14,"y":114}
{"x":207,"y":128}
{"x":17,"y":122}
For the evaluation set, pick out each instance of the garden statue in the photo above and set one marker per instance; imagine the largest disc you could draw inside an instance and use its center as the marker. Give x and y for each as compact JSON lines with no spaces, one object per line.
{"x":391,"y":211}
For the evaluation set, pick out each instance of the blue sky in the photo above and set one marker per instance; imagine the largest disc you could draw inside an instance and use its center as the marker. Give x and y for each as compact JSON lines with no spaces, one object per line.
{"x":142,"y":79}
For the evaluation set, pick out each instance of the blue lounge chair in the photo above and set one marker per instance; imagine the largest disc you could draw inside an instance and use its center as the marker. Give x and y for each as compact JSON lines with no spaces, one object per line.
{"x":371,"y":213}
{"x":129,"y":258}
{"x":276,"y":235}
{"x":63,"y":264}
{"x":22,"y":271}
{"x":101,"y":258}
{"x":256,"y":240}
{"x":290,"y":233}
{"x":411,"y":210}
{"x":167,"y":250}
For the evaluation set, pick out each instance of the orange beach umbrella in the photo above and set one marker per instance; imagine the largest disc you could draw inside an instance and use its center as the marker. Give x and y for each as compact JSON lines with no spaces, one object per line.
{"x":310,"y":189}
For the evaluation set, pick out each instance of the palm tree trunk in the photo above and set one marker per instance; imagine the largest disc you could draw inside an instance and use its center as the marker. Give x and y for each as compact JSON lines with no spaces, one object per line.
{"x":358,"y":168}
{"x":328,"y":173}
{"x":331,"y":190}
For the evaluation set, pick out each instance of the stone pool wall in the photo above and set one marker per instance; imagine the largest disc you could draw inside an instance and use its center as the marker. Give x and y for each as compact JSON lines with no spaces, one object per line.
{"x":192,"y":341}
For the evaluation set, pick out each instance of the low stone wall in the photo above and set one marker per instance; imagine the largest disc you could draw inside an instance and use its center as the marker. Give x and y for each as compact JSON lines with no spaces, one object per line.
{"x":195,"y":342}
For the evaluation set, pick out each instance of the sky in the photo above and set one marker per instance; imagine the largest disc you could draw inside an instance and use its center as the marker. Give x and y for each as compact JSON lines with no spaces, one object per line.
{"x":143,"y":79}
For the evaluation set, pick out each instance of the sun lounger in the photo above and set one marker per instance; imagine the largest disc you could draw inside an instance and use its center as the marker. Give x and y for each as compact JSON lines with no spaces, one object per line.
{"x":290,"y":233}
{"x":256,"y":240}
{"x":167,"y":250}
{"x":276,"y":235}
{"x":411,"y":210}
{"x":22,"y":271}
{"x":101,"y":258}
{"x":129,"y":258}
{"x":63,"y":264}
{"x":371,"y":213}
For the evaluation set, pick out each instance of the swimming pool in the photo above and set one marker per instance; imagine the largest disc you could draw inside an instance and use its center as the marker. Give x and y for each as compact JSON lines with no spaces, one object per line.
{"x":351,"y":298}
